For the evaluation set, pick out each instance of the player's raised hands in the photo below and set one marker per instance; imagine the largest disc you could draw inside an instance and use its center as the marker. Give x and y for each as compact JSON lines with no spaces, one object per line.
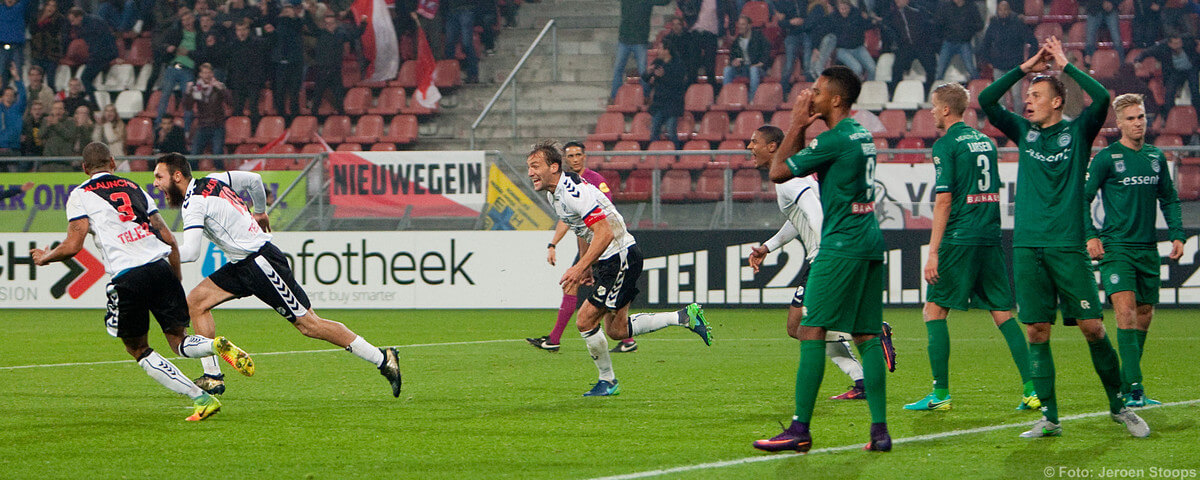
{"x":1053,"y":47}
{"x":1039,"y":62}
{"x":802,"y":113}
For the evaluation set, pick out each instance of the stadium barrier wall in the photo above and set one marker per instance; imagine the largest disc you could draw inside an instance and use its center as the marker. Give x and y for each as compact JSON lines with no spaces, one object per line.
{"x":712,"y":268}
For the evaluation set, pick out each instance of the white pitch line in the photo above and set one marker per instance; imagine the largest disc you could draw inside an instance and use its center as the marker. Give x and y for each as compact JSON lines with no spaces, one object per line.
{"x":859,"y":446}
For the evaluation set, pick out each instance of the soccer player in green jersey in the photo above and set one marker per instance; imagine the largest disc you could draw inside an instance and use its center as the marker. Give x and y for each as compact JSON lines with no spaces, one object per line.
{"x":966,"y":265}
{"x":846,"y":277}
{"x":1049,"y":259}
{"x":1133,"y":177}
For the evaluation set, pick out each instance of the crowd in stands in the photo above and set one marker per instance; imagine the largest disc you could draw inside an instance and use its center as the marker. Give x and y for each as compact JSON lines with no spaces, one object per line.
{"x":183,"y":71}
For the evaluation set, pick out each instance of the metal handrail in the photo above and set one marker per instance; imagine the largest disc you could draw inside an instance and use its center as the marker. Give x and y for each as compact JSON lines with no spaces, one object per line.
{"x":551,"y":26}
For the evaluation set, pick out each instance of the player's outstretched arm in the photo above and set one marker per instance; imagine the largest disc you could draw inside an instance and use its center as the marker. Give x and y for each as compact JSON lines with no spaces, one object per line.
{"x":76,"y":231}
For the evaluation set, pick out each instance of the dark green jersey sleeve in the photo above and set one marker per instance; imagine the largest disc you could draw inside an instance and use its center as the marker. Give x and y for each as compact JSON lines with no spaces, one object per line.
{"x":1014,"y":126}
{"x":1096,"y":113}
{"x":1096,"y":174}
{"x":819,"y":153}
{"x":943,"y":165}
{"x":1168,"y":202}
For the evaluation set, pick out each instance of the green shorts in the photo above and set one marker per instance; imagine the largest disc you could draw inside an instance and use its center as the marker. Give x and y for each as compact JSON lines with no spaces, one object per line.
{"x":1135,"y":269}
{"x":1043,"y":275}
{"x":971,"y":276}
{"x":845,"y":295}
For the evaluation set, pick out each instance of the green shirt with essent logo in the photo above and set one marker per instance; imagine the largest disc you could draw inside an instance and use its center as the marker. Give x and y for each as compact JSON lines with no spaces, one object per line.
{"x":965,"y":164}
{"x":1132,"y":182}
{"x":844,"y":160}
{"x":1050,"y":208}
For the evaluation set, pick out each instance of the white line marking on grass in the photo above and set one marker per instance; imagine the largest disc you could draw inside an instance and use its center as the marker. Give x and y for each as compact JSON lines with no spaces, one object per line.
{"x":766,"y":457}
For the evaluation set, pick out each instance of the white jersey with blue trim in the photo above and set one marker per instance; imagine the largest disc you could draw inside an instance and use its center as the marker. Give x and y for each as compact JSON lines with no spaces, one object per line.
{"x":800,"y":200}
{"x":118,"y":213}
{"x":580,"y":205}
{"x":213,"y":205}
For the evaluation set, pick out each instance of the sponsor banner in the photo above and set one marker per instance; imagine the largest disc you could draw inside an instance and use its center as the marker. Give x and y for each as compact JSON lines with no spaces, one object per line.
{"x":712,"y":268}
{"x":49,"y":195}
{"x":385,"y":184}
{"x":373,"y":270}
{"x":509,"y":208}
{"x":904,"y":195}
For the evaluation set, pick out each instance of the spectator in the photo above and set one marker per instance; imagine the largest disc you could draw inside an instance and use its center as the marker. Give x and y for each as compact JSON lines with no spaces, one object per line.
{"x":202,"y":8}
{"x":682,"y":45}
{"x":459,"y":18}
{"x":749,"y":55}
{"x":1180,"y":64}
{"x":632,"y":37}
{"x":668,"y":83}
{"x":958,"y":21}
{"x":12,"y":109}
{"x":37,"y":91}
{"x":177,"y":45}
{"x":65,"y":136}
{"x":850,"y":25}
{"x":1003,"y":46}
{"x":211,"y":44}
{"x":689,"y":10}
{"x":102,"y":45}
{"x":789,"y":15}
{"x":31,"y":136}
{"x":169,"y":137}
{"x":208,"y":97}
{"x":820,"y":31}
{"x":45,"y":43}
{"x":166,"y":12}
{"x":110,"y":130}
{"x":247,"y":55}
{"x":485,"y":17}
{"x":912,"y":30}
{"x":12,"y":36}
{"x":283,"y":35}
{"x":1147,"y":22}
{"x":326,"y":69}
{"x":1102,"y":12}
{"x":234,"y":12}
{"x":76,"y":96}
{"x":119,"y":14}
{"x":704,"y":34}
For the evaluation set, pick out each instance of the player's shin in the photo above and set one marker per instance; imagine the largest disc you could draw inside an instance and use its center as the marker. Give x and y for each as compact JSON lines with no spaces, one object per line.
{"x":839,"y":353}
{"x":1018,"y":348}
{"x":1131,"y":358}
{"x":874,"y":380}
{"x":597,"y":345}
{"x":165,"y":373}
{"x":939,"y":356}
{"x":640,"y":323}
{"x":1041,"y":367}
{"x":808,"y":378}
{"x":196,"y":346}
{"x":1104,"y":359}
{"x":364,"y":350}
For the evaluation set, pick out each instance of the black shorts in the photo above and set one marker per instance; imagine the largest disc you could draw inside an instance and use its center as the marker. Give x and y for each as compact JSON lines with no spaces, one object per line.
{"x":616,"y":279}
{"x":140,"y":291}
{"x":798,"y":298}
{"x":266,"y":275}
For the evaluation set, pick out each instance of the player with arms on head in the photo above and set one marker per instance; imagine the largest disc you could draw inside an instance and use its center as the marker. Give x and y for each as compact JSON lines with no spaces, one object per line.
{"x":212,"y":209}
{"x":1049,"y":259}
{"x":575,"y":156}
{"x":1133,"y":177}
{"x":966,"y":267}
{"x":846,"y":278}
{"x":609,"y":259}
{"x":800,"y":201}
{"x":140,"y":253}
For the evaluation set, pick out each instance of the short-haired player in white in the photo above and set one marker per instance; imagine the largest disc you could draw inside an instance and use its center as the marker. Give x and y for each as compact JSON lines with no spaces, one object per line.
{"x":609,"y":259}
{"x":140,"y":253}
{"x":212,"y":209}
{"x":800,"y":201}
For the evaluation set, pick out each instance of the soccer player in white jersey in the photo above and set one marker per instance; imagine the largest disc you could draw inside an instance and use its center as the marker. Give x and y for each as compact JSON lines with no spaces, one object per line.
{"x":140,"y":253}
{"x":256,"y":267}
{"x":800,"y":201}
{"x":610,"y":260}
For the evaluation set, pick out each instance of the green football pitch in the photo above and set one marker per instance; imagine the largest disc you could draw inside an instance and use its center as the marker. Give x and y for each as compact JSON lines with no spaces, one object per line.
{"x":478,"y":402}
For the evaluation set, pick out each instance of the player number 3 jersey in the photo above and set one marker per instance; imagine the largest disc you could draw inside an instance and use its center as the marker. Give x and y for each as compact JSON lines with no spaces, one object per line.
{"x":212,"y":205}
{"x":118,"y":211}
{"x":580,"y":205}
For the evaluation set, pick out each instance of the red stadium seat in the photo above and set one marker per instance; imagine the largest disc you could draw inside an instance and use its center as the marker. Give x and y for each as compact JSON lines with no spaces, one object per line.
{"x":629,"y":99}
{"x":612,"y":179}
{"x":402,"y":129}
{"x":758,"y":11}
{"x":1189,"y":179}
{"x":446,"y":74}
{"x":973,"y":89}
{"x":609,"y":127}
{"x":1181,"y":121}
{"x":713,"y":127}
{"x":783,"y":119}
{"x":349,"y":147}
{"x":676,"y":186}
{"x":659,"y":161}
{"x":895,"y":123}
{"x":732,"y":161}
{"x":237,"y":130}
{"x":269,"y":128}
{"x":1105,"y":64}
{"x":313,"y":148}
{"x":336,"y":129}
{"x":747,"y":185}
{"x":1062,"y":11}
{"x":246,"y":149}
{"x":767,"y":97}
{"x":637,"y":187}
{"x":266,"y":102}
{"x":357,"y":101}
{"x":698,"y":98}
{"x":302,"y":129}
{"x":923,"y":125}
{"x":140,"y":52}
{"x":369,"y":129}
{"x":733,"y":98}
{"x":745,"y":124}
{"x":139,"y":131}
{"x":1047,"y":30}
{"x":910,"y":143}
{"x":407,"y":76}
{"x":694,"y":162}
{"x":685,"y":127}
{"x":383,"y":147}
{"x":971,"y":118}
{"x":880,"y":145}
{"x":710,"y":187}
{"x":1033,"y":10}
{"x":77,"y":53}
{"x":639,"y":131}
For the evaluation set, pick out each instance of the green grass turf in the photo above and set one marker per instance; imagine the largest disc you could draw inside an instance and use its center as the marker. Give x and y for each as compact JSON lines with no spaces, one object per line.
{"x":506,"y":410}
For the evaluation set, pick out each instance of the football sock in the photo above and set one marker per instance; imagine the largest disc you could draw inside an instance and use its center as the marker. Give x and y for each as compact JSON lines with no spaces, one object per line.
{"x":165,"y":373}
{"x":211,"y":365}
{"x":1028,"y":388}
{"x":1131,"y":358}
{"x":1141,"y":334}
{"x":1104,"y":358}
{"x":839,"y":353}
{"x":565,"y":310}
{"x":874,"y":369}
{"x":640,"y":323}
{"x":939,"y":356}
{"x":628,"y":341}
{"x":808,"y":378}
{"x":196,"y":346}
{"x":1017,"y":346}
{"x":366,"y":351}
{"x":597,"y":345}
{"x":1041,"y":369}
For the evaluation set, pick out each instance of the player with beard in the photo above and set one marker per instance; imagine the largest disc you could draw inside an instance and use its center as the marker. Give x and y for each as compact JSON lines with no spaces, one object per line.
{"x":140,"y":253}
{"x":212,"y":209}
{"x":800,"y":201}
